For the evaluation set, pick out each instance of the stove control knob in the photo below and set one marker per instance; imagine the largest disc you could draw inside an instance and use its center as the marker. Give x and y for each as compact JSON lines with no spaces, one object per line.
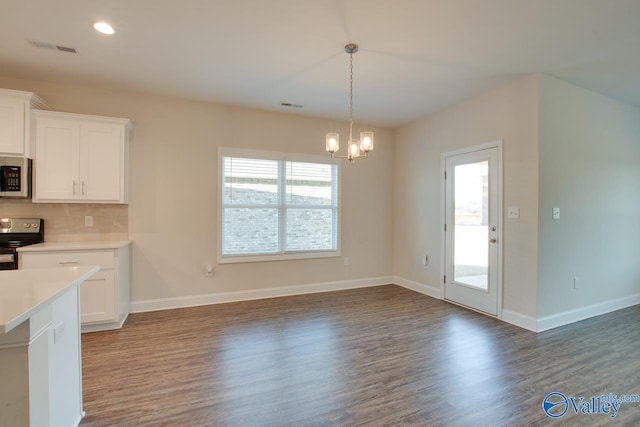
{"x":34,"y":225}
{"x":27,"y":225}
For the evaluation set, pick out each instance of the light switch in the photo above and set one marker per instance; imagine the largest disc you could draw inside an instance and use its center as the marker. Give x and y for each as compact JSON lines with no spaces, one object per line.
{"x":58,"y":333}
{"x":513,"y":213}
{"x":556,"y":213}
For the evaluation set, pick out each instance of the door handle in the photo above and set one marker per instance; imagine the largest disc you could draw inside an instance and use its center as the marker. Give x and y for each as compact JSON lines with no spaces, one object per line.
{"x":493,"y":240}
{"x":84,"y":191}
{"x":74,"y":187}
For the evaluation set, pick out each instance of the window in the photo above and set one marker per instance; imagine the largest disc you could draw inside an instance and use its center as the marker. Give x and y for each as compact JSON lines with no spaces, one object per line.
{"x":277,"y":206}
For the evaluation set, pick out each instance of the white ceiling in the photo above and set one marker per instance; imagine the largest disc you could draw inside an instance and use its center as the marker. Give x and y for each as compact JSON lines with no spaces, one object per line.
{"x":416,"y":56}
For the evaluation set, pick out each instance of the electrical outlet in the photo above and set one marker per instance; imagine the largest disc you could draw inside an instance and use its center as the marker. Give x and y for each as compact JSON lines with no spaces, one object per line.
{"x":88,"y":221}
{"x":208,"y":270}
{"x":346,"y":260}
{"x":513,"y":213}
{"x":556,"y":213}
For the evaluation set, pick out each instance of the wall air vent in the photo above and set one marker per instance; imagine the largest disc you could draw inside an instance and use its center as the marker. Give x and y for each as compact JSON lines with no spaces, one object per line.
{"x":52,"y":46}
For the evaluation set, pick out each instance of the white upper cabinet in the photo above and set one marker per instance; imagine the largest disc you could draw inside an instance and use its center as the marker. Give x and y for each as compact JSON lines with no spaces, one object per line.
{"x":80,"y":158}
{"x":16,"y":122}
{"x":57,"y":163}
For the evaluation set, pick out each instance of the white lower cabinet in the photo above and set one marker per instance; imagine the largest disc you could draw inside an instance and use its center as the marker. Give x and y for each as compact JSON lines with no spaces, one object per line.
{"x":104,"y":297}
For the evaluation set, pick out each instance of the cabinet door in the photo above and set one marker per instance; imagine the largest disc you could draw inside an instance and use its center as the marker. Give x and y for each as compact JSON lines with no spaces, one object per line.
{"x":12,"y":116}
{"x":57,"y":160}
{"x":101,"y":162}
{"x":97,"y":298}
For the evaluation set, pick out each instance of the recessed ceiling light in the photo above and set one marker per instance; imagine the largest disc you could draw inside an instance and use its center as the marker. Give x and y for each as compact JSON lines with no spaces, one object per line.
{"x":103,"y":28}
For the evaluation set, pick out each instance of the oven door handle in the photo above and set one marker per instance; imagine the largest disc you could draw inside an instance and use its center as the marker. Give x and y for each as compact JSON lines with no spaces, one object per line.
{"x":7,"y":258}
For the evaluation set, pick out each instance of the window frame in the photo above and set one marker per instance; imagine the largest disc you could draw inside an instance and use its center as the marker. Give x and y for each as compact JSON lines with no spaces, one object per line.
{"x":277,"y":156}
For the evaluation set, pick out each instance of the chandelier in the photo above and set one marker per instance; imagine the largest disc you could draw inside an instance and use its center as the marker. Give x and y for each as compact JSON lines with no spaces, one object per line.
{"x":355,"y":148}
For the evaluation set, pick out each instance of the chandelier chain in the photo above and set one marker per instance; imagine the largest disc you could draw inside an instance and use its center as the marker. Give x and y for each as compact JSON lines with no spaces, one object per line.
{"x":350,"y":96}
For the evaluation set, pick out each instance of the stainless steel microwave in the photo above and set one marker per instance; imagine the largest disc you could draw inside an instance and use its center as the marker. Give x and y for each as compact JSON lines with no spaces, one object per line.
{"x":15,"y":177}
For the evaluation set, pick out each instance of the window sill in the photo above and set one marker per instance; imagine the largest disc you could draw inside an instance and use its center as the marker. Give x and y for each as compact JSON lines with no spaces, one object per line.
{"x":278,"y":257}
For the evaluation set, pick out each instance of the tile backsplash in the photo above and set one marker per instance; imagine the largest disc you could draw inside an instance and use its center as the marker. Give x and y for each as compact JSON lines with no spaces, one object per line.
{"x":64,"y":222}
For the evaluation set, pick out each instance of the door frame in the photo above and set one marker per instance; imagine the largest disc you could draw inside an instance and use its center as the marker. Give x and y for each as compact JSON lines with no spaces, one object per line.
{"x":500,"y":217}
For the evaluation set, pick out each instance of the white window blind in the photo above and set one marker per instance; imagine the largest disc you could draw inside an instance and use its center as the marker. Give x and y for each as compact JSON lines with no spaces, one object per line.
{"x":278,"y":207}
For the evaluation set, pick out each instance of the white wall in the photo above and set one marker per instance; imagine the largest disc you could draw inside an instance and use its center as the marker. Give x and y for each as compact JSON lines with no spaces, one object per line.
{"x":590,"y":169}
{"x":508,"y":114}
{"x":173,"y":172}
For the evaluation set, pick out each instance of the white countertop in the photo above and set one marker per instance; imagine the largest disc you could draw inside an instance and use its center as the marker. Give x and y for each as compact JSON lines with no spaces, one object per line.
{"x":75,"y":246}
{"x":25,"y":292}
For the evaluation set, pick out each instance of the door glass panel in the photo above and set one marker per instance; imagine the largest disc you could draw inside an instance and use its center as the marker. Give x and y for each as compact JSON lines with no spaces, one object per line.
{"x":471,"y":224}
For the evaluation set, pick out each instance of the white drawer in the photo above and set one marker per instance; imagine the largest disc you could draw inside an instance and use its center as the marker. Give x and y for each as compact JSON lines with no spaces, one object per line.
{"x":105,"y":259}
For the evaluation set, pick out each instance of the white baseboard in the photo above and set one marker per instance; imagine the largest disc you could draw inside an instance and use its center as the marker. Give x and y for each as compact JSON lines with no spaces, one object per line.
{"x":428,"y":290}
{"x":515,"y":318}
{"x":531,"y":323}
{"x":564,"y":318}
{"x":223,"y":297}
{"x":520,"y":320}
{"x":109,"y":326}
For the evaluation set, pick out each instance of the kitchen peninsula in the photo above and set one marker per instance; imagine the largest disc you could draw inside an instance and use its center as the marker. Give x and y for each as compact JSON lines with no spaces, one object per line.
{"x":40,"y":354}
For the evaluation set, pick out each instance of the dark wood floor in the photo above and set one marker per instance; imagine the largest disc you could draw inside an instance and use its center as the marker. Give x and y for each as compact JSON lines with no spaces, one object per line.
{"x":375,"y":356}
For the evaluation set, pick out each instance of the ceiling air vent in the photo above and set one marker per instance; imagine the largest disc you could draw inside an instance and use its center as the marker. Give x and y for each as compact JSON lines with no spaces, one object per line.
{"x":52,"y":46}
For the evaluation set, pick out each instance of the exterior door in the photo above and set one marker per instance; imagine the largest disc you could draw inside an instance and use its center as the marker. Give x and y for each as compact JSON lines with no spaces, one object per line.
{"x":472,"y":228}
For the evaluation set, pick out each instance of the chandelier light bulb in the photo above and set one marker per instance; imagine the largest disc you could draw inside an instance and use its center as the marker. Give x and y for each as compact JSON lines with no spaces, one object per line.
{"x":333,"y":142}
{"x":354,"y":148}
{"x":367,"y":141}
